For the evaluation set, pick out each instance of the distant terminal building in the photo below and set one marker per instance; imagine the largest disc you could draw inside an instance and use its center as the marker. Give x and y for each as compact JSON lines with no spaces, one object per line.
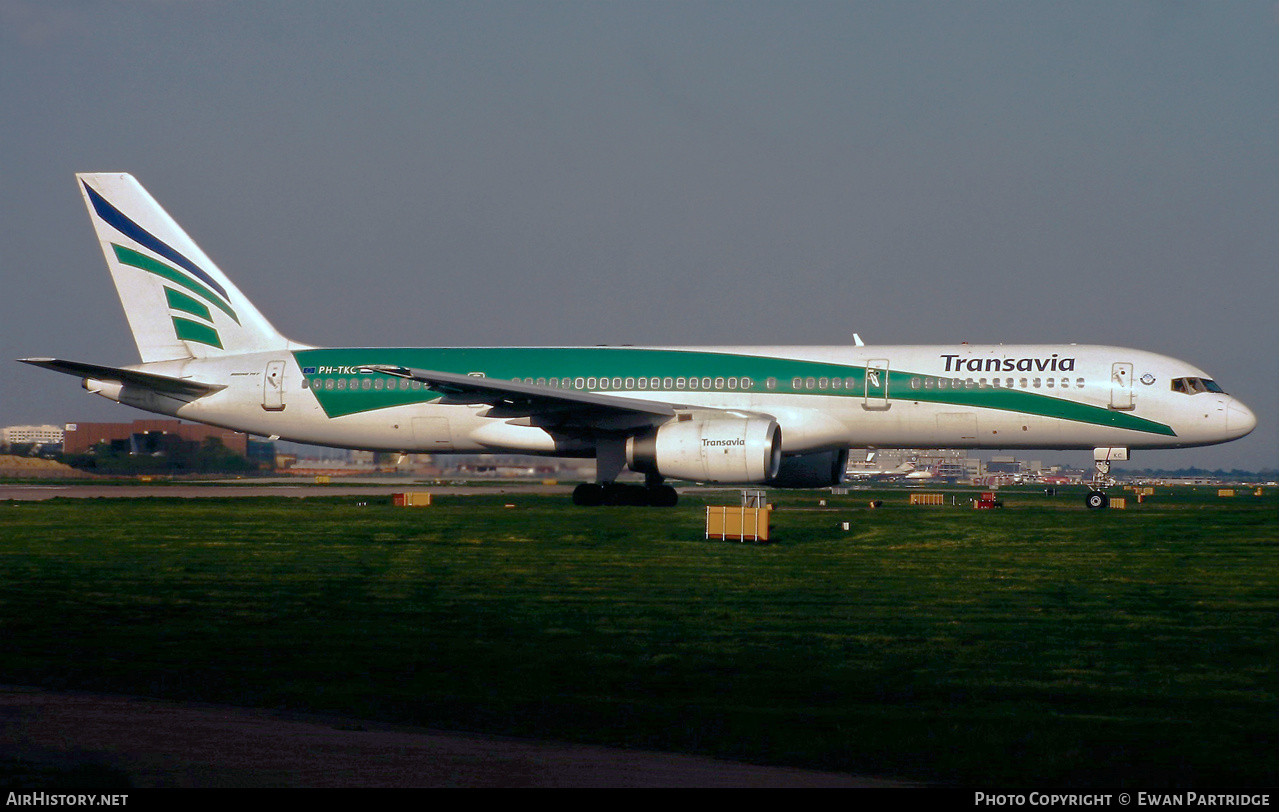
{"x":38,"y":435}
{"x":143,"y":436}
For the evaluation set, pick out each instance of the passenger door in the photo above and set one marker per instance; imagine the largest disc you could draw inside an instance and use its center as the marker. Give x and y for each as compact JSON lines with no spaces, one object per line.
{"x":876,"y":385}
{"x":273,"y":387}
{"x":1121,"y":398}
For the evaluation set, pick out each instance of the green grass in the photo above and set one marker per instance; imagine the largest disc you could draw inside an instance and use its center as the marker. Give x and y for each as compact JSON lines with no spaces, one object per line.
{"x":1042,"y":644}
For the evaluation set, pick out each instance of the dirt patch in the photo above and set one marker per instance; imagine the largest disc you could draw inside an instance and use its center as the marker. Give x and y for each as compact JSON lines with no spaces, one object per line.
{"x":67,"y":737}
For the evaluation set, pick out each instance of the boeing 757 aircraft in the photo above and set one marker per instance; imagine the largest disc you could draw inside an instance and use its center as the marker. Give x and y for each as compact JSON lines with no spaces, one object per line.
{"x":774,"y":416}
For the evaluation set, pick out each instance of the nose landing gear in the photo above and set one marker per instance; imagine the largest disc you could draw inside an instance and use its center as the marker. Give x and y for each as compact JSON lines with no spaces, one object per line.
{"x":1101,"y":478}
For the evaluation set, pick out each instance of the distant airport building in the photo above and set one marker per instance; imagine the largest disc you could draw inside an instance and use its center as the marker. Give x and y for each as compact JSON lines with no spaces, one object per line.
{"x":146,"y":436}
{"x":38,"y":435}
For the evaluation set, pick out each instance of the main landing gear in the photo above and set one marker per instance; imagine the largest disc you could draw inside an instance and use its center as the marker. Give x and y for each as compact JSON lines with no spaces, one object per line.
{"x":592,"y":494}
{"x":610,"y":460}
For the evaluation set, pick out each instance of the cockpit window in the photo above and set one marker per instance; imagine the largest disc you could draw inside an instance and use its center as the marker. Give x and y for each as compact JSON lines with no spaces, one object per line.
{"x":1193,"y":386}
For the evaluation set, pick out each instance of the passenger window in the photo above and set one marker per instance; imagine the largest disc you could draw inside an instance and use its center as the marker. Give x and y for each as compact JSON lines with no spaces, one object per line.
{"x":770,"y":383}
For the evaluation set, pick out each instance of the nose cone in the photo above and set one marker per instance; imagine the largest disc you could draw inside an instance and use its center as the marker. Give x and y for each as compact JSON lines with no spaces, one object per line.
{"x":1239,"y":419}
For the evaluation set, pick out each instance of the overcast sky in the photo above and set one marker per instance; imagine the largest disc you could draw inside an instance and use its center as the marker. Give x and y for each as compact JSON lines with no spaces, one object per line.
{"x":425,"y":173}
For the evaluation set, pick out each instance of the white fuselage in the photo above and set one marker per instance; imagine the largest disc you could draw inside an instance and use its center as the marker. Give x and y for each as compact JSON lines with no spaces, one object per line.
{"x":966,"y":396}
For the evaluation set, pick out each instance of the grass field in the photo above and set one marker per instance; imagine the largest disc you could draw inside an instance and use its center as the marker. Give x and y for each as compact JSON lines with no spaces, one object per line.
{"x":1038,"y":645}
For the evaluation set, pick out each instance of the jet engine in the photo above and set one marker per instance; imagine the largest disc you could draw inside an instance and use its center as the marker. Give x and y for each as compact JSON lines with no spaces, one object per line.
{"x":719,"y":449}
{"x":821,"y":469}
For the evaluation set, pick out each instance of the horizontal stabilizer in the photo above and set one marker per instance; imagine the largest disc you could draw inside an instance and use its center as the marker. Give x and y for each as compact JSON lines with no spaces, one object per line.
{"x":133,"y":377}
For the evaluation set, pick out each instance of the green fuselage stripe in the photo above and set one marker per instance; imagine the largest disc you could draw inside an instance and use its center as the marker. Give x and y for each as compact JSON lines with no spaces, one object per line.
{"x":334,"y":371}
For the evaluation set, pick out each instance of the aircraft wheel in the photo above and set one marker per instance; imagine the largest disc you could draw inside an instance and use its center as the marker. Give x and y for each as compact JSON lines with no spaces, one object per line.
{"x":662,"y":496}
{"x":1097,"y":500}
{"x":588,"y":494}
{"x":619,"y":495}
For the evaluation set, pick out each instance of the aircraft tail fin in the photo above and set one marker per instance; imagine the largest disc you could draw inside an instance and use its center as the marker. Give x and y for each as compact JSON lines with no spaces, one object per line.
{"x":179,"y":304}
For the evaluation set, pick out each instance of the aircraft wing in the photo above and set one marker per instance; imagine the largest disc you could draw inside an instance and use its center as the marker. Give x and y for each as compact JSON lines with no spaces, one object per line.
{"x":147,"y":380}
{"x":542,"y":405}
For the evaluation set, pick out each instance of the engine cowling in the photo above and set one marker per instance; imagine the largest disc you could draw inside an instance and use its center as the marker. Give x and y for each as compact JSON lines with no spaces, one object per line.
{"x":818,"y":470}
{"x":744,"y":450}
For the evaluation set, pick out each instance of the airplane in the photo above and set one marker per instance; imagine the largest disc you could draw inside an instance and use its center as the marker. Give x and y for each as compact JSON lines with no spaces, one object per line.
{"x":781,"y":416}
{"x":907,"y":472}
{"x":869,"y":470}
{"x":919,"y":475}
{"x":881,"y":473}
